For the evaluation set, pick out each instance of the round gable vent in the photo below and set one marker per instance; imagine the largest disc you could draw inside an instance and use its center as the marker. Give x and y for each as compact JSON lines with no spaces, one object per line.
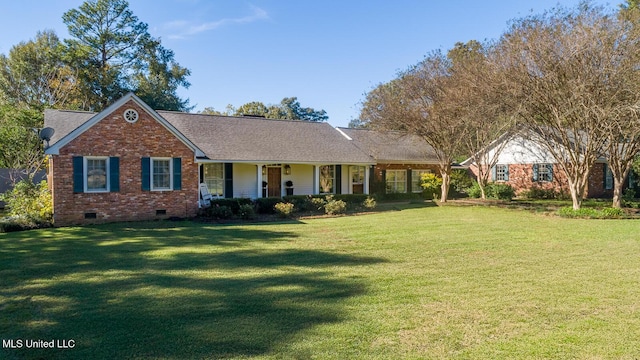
{"x":130,"y":115}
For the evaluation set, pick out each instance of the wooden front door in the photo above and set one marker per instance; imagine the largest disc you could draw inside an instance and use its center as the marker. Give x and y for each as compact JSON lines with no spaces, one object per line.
{"x":274,"y":178}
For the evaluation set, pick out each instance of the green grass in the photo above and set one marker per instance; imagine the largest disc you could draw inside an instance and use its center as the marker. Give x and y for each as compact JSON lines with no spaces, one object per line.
{"x":421,"y":283}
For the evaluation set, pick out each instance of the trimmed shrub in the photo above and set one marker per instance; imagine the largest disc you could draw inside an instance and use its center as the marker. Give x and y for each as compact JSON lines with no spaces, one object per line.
{"x":500,"y":191}
{"x":283,"y":209}
{"x":333,"y":207}
{"x":492,"y":191}
{"x":318,"y":203}
{"x":232,"y":203}
{"x":540,"y":193}
{"x":220,"y":212}
{"x":590,"y":213}
{"x":266,"y":205}
{"x":351,"y":199}
{"x":369,"y":203}
{"x":246,"y":212}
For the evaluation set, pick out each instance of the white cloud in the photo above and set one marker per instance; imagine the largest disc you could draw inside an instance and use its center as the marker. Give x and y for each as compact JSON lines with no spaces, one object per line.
{"x":184,"y":29}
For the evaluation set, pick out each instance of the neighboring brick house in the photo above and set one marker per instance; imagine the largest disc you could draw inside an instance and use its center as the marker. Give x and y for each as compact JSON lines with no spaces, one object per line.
{"x":401,"y":159}
{"x":525,"y":165}
{"x":130,"y":162}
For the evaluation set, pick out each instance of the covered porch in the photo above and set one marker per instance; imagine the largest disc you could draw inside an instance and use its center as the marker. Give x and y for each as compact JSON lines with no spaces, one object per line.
{"x":258,"y":180}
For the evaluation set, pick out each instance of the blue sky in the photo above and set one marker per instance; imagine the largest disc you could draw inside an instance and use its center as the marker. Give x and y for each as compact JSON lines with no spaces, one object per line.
{"x":328,"y":53}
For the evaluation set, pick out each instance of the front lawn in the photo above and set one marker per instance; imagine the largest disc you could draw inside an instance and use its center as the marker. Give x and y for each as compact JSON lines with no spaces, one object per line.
{"x":423,"y":282}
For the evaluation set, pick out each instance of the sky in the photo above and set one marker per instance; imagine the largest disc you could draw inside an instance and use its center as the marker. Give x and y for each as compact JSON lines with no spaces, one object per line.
{"x":327,"y":53}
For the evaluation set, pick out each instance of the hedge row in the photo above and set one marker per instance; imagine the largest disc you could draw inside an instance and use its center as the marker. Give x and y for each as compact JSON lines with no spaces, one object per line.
{"x":224,"y":208}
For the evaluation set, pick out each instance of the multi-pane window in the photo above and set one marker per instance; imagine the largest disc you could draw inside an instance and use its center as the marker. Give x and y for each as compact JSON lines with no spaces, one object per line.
{"x":543,"y":172}
{"x":96,"y":174}
{"x":501,"y":173}
{"x":396,"y":181}
{"x":214,"y":178}
{"x":416,"y":179}
{"x":327,"y":179}
{"x":161,"y":174}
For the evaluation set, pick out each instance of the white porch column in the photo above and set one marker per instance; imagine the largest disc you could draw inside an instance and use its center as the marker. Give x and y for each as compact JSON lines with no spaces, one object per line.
{"x":316,"y":179}
{"x":259,"y":177}
{"x":366,"y":179}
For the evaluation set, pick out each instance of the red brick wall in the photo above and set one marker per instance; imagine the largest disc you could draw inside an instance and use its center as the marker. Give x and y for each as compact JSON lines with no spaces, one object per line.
{"x":113,"y":136}
{"x":521,"y":179}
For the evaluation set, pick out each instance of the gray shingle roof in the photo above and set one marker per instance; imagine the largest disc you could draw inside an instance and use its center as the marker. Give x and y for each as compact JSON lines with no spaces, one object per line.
{"x":392,"y":147}
{"x":266,"y":140}
{"x":64,"y":121}
{"x":238,"y":139}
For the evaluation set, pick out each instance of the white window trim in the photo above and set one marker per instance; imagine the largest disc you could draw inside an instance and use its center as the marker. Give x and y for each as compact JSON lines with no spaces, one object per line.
{"x":204,"y":179}
{"x":85,"y":174}
{"x":153,"y":188}
{"x":395,"y":181}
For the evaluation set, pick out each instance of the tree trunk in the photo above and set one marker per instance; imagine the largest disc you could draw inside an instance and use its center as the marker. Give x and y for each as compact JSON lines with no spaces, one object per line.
{"x":483,"y":195}
{"x":446,"y":180}
{"x":577,"y":186}
{"x":618,"y":184}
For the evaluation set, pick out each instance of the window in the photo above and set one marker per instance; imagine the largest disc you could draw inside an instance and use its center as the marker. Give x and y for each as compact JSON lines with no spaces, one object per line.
{"x":396,"y":181}
{"x":96,"y":174}
{"x":608,"y":178}
{"x":501,"y":173}
{"x":214,"y":178}
{"x":161,"y":174}
{"x":416,"y":179}
{"x":327,"y":179}
{"x":543,"y":172}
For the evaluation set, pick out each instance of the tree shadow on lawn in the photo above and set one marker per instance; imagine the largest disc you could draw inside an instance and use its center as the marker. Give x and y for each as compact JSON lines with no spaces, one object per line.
{"x":183,"y":292}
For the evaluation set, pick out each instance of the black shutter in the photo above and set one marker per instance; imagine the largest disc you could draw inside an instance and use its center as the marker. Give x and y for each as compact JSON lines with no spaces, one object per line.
{"x":146,"y":174}
{"x":338,"y":179}
{"x":409,"y":181}
{"x":78,"y":174}
{"x":114,"y":174}
{"x":177,"y":174}
{"x":228,"y":180}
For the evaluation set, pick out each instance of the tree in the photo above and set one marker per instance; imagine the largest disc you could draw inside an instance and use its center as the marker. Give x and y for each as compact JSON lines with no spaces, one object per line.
{"x":291,"y":109}
{"x":473,"y":89}
{"x":623,"y":79}
{"x":254,"y":108}
{"x":34,"y":75}
{"x":288,"y":109}
{"x":114,"y":54}
{"x":20,"y":146}
{"x":419,"y":102}
{"x":559,"y":68}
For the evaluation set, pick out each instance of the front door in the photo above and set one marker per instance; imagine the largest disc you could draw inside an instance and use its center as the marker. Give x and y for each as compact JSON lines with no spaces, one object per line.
{"x":274,"y":178}
{"x":357,"y":179}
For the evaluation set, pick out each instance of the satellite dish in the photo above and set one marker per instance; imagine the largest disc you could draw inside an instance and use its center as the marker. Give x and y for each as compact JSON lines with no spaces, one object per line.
{"x":46,"y":134}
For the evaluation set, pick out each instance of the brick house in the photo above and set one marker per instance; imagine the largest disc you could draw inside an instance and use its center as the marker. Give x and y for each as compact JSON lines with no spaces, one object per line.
{"x":400,"y":158}
{"x":524,"y":164}
{"x":130,"y":162}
